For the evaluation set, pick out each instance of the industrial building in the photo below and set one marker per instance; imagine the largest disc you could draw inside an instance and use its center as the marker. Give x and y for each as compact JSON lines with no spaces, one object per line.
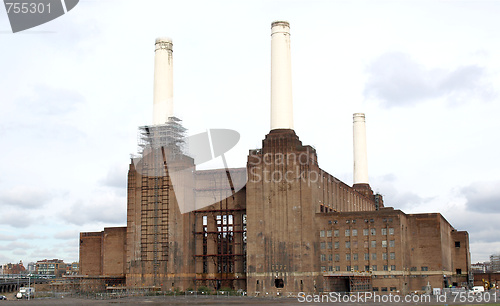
{"x":279,"y":225}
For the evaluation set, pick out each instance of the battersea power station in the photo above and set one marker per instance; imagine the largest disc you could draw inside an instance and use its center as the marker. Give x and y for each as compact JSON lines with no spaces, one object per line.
{"x":280,"y":225}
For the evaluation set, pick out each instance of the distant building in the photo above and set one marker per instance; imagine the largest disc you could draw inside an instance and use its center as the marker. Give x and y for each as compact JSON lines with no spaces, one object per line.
{"x":55,"y":267}
{"x":480,"y":267}
{"x":73,"y":268}
{"x":495,"y":263}
{"x":11,"y":268}
{"x":31,"y":268}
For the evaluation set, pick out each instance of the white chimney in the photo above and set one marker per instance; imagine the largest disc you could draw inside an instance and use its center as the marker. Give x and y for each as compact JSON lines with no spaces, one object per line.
{"x":163,"y":106}
{"x":360,"y":154}
{"x":281,"y":77}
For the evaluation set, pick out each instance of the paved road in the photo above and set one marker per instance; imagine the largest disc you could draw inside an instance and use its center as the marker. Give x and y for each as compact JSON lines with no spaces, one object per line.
{"x":160,"y":300}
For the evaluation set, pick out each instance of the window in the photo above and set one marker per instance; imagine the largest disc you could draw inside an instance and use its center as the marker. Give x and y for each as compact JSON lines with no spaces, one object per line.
{"x":391,"y":231}
{"x":384,"y":243}
{"x":393,"y":267}
{"x":322,"y":257}
{"x":354,"y":232}
{"x":335,"y":233}
{"x":355,"y":256}
{"x":322,"y":233}
{"x":330,"y":268}
{"x":329,"y":233}
{"x":330,"y":257}
{"x":413,"y":269}
{"x":348,"y":268}
{"x":384,"y":256}
{"x":425,"y":268}
{"x":337,"y":257}
{"x":373,"y":244}
{"x":336,"y":244}
{"x":347,"y":244}
{"x":375,"y":289}
{"x":383,"y":289}
{"x":355,"y":268}
{"x":365,"y":232}
{"x":205,"y":220}
{"x":459,"y":271}
{"x":374,"y":256}
{"x":347,"y":232}
{"x":367,"y":268}
{"x":337,"y":268}
{"x":367,"y":256}
{"x":393,"y":255}
{"x":329,"y":245}
{"x":373,"y":231}
{"x":347,"y":256}
{"x":322,"y":245}
{"x":457,"y":244}
{"x":391,"y":243}
{"x":374,"y":268}
{"x":386,"y":268}
{"x":384,"y":231}
{"x":323,"y":269}
{"x":393,"y":289}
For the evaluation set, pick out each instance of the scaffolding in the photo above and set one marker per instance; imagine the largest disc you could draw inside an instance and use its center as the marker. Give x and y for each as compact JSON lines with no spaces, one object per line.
{"x":220,"y":237}
{"x":171,"y":135}
{"x":157,"y":145}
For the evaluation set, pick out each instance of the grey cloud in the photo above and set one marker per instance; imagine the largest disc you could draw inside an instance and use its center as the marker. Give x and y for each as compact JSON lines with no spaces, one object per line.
{"x":7,"y":237}
{"x":23,"y":197}
{"x":31,"y":237}
{"x":17,"y":218}
{"x":397,"y":80}
{"x":393,"y":197}
{"x":107,"y":209}
{"x":52,"y":101}
{"x":483,"y":197}
{"x":65,"y":235}
{"x":44,"y":253}
{"x":15,"y":245}
{"x":116,"y":176}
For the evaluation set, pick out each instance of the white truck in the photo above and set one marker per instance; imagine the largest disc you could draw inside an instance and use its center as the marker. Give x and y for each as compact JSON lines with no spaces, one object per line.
{"x":25,"y":293}
{"x":477,"y":289}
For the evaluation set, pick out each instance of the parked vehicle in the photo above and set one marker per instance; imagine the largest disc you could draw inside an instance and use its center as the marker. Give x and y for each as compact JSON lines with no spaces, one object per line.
{"x":477,"y":289}
{"x":25,"y":292}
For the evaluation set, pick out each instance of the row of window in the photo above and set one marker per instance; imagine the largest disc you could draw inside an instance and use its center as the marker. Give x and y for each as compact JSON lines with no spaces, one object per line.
{"x":354,"y":232}
{"x":422,"y":268}
{"x":354,"y":221}
{"x":373,"y":244}
{"x":356,"y":268}
{"x":384,"y":289}
{"x":354,"y":256}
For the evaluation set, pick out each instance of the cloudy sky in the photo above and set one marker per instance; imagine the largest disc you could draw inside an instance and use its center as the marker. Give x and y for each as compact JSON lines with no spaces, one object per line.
{"x":73,"y":92}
